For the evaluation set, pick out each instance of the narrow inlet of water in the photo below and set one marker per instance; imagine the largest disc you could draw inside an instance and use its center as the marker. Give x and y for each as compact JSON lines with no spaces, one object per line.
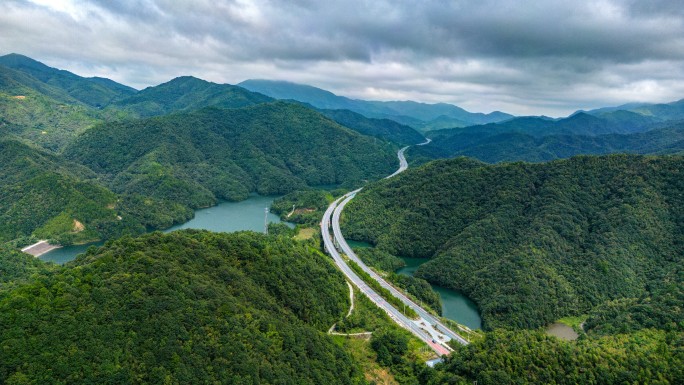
{"x":224,"y":217}
{"x":455,"y":305}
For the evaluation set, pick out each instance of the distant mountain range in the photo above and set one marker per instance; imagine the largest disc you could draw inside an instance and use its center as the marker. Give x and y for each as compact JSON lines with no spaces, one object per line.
{"x":50,"y":107}
{"x":642,"y":129}
{"x":421,"y":116}
{"x":95,"y":92}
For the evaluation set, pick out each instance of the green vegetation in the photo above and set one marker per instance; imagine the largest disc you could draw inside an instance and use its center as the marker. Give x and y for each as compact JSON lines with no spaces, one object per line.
{"x":384,"y":293}
{"x":281,"y":229}
{"x":186,"y":307}
{"x":95,"y":92}
{"x":417,"y":115}
{"x":197,"y":158}
{"x":392,"y":355}
{"x":417,"y":288}
{"x":528,"y":357}
{"x":40,"y":113}
{"x":574,"y":322}
{"x":659,"y":307}
{"x":537,"y":140}
{"x":185,"y":93}
{"x":380,"y":128}
{"x":379,"y":259}
{"x":309,"y":206}
{"x":531,"y":243}
{"x":49,"y":198}
{"x":17,"y":267}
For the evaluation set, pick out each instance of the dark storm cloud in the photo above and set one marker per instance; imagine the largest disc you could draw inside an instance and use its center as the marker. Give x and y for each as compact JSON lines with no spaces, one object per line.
{"x":524,"y":56}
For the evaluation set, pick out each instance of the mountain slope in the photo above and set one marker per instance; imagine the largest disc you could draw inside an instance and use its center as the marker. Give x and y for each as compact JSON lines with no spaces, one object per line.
{"x":531,"y":243}
{"x":406,"y":112}
{"x":95,"y":92}
{"x":44,"y":196}
{"x":196,"y":158}
{"x":186,"y":93}
{"x":187,"y":307}
{"x":513,"y":146}
{"x":380,"y":128}
{"x":39,"y":112}
{"x":659,"y":112}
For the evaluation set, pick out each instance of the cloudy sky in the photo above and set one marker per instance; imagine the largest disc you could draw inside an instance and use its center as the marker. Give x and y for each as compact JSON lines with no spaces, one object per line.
{"x":524,"y":57}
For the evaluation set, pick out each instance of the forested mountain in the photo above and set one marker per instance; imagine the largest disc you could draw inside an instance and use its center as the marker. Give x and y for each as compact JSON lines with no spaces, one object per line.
{"x":43,"y":195}
{"x":531,"y":243}
{"x":186,"y":93}
{"x":538,"y":139}
{"x":95,"y":92}
{"x":196,"y":158}
{"x":39,"y":112}
{"x":512,"y":146}
{"x":416,"y":115}
{"x":16,"y":267}
{"x":660,"y":111}
{"x":381,"y":128}
{"x":532,"y":357}
{"x":187,"y":307}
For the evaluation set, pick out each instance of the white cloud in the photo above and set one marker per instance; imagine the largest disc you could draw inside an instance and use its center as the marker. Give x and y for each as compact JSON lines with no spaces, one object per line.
{"x":525,"y":57}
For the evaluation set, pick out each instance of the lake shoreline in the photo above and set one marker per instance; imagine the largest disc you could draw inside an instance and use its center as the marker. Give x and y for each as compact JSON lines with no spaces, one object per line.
{"x":226,"y":216}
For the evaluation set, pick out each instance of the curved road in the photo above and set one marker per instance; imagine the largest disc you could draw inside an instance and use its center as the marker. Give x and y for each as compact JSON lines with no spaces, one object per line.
{"x":427,"y":327}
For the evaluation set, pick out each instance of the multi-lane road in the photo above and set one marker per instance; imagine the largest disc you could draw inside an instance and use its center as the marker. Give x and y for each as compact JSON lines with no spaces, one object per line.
{"x":427,"y":327}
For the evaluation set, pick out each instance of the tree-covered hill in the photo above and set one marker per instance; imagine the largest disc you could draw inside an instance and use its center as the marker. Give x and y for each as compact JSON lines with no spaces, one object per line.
{"x":186,"y":93}
{"x":46,"y":197}
{"x":381,"y":128}
{"x":531,"y":357}
{"x":640,"y":129}
{"x":17,"y":267}
{"x":187,"y":307}
{"x":39,"y":112}
{"x":414,"y":114}
{"x":199,"y":157}
{"x":531,"y":243}
{"x":43,"y":195}
{"x":94,"y":92}
{"x":512,"y":146}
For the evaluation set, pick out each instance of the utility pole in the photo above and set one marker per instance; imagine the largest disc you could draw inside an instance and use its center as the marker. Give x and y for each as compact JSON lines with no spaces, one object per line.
{"x":266,"y":220}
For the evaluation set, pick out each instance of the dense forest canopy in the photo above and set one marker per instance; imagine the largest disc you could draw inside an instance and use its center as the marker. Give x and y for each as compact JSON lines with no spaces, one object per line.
{"x":187,"y":307}
{"x":492,"y":145}
{"x":42,"y":194}
{"x":197,"y":158}
{"x":531,"y":243}
{"x":185,"y":93}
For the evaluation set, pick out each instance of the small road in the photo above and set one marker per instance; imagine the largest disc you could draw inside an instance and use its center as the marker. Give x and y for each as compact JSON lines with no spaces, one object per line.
{"x":427,"y":327}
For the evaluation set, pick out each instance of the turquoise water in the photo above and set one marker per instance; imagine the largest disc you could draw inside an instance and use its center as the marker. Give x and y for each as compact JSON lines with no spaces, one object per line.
{"x":455,"y":306}
{"x":224,"y":217}
{"x":65,"y":254}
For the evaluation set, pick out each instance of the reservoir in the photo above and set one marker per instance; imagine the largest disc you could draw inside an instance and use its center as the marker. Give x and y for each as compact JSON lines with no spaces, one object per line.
{"x":455,"y":306}
{"x":224,"y":217}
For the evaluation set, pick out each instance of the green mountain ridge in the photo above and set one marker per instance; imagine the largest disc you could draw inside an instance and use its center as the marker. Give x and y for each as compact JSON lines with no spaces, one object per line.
{"x":532,"y":243}
{"x":515,"y":146}
{"x":409,"y":113}
{"x":186,"y":307}
{"x":199,"y":157}
{"x":186,"y":93}
{"x":381,"y":128}
{"x":44,"y":196}
{"x":95,"y":92}
{"x":40,"y":113}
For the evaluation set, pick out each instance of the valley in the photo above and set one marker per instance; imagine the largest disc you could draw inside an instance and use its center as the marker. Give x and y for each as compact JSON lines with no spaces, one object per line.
{"x":484,"y":231}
